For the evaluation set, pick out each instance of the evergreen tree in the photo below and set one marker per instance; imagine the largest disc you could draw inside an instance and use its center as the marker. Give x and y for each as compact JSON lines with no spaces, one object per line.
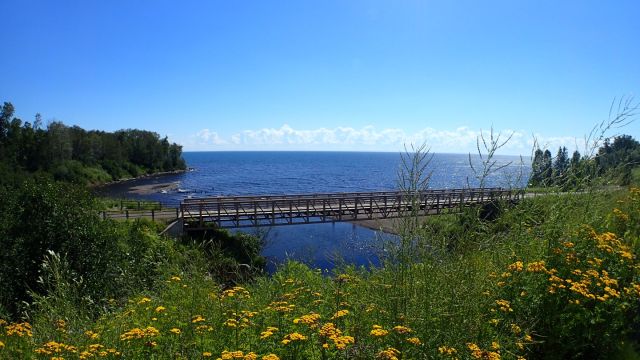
{"x":575,"y":159}
{"x":547,"y":167}
{"x":536,"y":168}
{"x":561,"y":163}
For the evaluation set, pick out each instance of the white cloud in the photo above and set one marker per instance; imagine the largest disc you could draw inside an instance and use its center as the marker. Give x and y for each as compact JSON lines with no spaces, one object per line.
{"x":210,"y":137}
{"x":461,"y":139}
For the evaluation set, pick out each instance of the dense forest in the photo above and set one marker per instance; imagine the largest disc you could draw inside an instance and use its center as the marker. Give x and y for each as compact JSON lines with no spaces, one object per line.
{"x":76,"y":155}
{"x":613,"y":163}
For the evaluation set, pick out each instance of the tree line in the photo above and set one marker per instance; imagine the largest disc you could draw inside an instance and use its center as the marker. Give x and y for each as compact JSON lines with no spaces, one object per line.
{"x":70,"y":153}
{"x":613,"y":162}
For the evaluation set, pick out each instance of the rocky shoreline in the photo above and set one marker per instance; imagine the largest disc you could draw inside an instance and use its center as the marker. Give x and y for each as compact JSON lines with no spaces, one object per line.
{"x":141,"y":185}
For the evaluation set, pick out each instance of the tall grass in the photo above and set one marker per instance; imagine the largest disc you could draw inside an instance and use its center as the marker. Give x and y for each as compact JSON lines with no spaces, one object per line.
{"x":472,"y":289}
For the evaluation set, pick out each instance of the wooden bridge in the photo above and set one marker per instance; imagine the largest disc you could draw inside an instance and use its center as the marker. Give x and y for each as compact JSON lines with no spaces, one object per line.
{"x":251,"y":211}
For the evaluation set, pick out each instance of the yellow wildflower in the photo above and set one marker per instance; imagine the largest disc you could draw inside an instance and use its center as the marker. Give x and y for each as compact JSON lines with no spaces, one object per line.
{"x":516,"y":266}
{"x":341,"y":342}
{"x":447,"y":350}
{"x":389,"y":354}
{"x":197,"y":319}
{"x":19,"y":329}
{"x":340,"y":313}
{"x":310,"y":319}
{"x":402,"y":329}
{"x":378,"y":331}
{"x":270,"y":330}
{"x":504,"y":305}
{"x":293,"y":337}
{"x":536,"y":267}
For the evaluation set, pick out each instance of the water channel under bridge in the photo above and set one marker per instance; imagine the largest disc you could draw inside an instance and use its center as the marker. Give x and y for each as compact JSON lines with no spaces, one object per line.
{"x":269,"y":210}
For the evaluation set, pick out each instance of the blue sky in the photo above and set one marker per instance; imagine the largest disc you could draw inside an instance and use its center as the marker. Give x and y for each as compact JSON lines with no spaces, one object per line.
{"x":323,"y":75}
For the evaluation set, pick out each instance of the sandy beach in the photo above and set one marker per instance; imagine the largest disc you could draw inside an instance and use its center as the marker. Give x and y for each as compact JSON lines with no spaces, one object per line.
{"x":146,"y":189}
{"x":141,"y":186}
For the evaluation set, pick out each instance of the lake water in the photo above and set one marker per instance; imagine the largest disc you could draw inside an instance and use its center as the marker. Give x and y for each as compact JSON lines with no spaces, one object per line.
{"x":320,"y":245}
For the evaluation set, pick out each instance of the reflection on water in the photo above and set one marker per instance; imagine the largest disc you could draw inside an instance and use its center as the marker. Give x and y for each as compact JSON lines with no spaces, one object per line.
{"x":322,"y":245}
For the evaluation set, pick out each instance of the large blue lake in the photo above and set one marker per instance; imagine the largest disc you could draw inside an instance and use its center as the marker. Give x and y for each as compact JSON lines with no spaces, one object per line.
{"x":320,"y":245}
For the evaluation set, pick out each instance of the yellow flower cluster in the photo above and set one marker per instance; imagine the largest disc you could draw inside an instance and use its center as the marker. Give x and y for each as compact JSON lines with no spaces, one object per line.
{"x":230,"y":355}
{"x":91,"y":335}
{"x":53,"y":347}
{"x":537,"y":267}
{"x":19,"y":329}
{"x":233,"y":323}
{"x":389,"y":354}
{"x":447,"y":350}
{"x":202,"y":328}
{"x":144,"y":300}
{"x":138,"y":333}
{"x":293,"y":337}
{"x":235,"y":292}
{"x":340,"y":313}
{"x":98,"y":349}
{"x":378,"y":331}
{"x":281,"y":306}
{"x":197,"y":319}
{"x":310,"y":319}
{"x":478,"y":353}
{"x":329,"y":331}
{"x":620,"y":215}
{"x":402,"y":329}
{"x":267,"y":333}
{"x":504,"y":305}
{"x":516,"y":266}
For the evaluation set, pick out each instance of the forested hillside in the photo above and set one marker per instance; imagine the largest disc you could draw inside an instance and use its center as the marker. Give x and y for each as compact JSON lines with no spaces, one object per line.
{"x":70,"y":153}
{"x":614,"y":163}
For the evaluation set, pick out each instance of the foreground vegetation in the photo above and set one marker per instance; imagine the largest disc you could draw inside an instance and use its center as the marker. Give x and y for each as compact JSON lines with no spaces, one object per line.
{"x":553,"y":277}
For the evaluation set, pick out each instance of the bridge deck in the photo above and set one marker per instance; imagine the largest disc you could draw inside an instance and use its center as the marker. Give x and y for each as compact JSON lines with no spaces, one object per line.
{"x":267,"y":210}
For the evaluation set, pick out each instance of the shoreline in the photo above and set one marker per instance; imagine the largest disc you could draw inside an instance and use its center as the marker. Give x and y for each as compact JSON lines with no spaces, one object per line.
{"x":141,"y":177}
{"x":388,"y":226}
{"x":143,"y":185}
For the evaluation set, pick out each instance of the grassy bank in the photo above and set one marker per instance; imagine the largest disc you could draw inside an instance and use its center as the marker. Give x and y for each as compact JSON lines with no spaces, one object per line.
{"x":553,"y":277}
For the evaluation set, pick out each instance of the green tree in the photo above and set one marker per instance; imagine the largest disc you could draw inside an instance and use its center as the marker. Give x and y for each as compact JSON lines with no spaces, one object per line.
{"x":561,"y":164}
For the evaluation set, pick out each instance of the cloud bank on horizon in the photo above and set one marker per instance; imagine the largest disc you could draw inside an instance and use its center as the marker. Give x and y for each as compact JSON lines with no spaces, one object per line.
{"x":369,"y":138}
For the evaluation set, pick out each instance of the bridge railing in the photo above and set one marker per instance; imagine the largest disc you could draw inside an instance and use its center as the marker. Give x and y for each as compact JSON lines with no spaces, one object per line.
{"x":325,"y":195}
{"x":331,"y":206}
